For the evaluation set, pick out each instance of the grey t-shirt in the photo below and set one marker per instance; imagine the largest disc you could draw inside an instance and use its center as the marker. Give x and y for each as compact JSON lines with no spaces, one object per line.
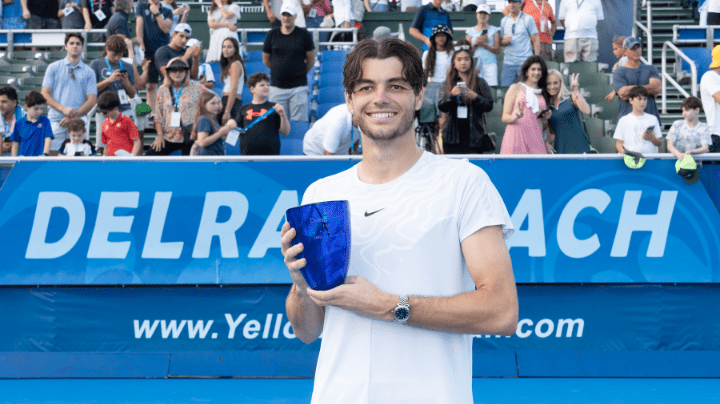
{"x":100,"y":67}
{"x":118,"y":24}
{"x":74,"y":19}
{"x":625,"y":76}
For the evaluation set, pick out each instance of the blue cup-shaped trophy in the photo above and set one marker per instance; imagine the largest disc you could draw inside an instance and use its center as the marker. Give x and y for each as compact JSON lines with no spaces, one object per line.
{"x":324,"y":230}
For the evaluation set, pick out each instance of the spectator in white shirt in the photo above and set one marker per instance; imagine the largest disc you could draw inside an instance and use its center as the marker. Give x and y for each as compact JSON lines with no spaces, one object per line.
{"x":580,"y":19}
{"x":333,"y":134}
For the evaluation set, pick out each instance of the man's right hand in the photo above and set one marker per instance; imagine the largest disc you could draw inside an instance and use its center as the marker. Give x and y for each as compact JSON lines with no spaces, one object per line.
{"x":116,"y":76}
{"x":290,"y":252}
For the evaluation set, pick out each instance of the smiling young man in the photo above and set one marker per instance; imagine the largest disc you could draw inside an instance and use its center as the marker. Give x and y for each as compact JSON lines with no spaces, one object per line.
{"x":429,"y":267}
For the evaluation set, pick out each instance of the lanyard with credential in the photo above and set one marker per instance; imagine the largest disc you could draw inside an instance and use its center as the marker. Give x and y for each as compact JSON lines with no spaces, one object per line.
{"x":541,"y":8}
{"x":107,"y":62}
{"x":352,"y":139}
{"x":92,"y":5}
{"x":258,"y":119}
{"x":177,"y":98}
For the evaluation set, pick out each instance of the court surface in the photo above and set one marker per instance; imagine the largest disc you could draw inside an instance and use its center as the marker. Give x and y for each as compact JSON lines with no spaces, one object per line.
{"x":296,"y":391}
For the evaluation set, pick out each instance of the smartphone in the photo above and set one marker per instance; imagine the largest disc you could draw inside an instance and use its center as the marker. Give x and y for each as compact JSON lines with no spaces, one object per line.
{"x":543,"y":112}
{"x":650,"y":129}
{"x":79,"y":153}
{"x":462,"y":84}
{"x":123,"y":71}
{"x":484,"y":32}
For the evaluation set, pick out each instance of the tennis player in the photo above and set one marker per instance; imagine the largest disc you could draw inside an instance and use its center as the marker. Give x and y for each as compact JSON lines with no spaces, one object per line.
{"x":429,"y":268}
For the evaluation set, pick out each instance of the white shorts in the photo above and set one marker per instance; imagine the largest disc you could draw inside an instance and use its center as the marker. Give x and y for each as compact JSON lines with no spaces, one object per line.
{"x":490,"y":74}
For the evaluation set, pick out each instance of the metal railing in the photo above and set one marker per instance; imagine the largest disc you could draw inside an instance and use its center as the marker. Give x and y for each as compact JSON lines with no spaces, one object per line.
{"x":46,"y":38}
{"x":647,"y":30}
{"x":314,"y":31}
{"x":666,"y":76}
{"x":709,"y":39}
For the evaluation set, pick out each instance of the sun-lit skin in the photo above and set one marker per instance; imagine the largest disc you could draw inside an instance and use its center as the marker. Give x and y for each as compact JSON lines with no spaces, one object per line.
{"x":73,"y":48}
{"x":515,"y":7}
{"x":260,"y":91}
{"x":177,"y":76}
{"x":288,"y":21}
{"x":380,"y":100}
{"x":34,"y":112}
{"x":638,"y":103}
{"x":113,"y":57}
{"x":180,"y":39}
{"x":440,"y":41}
{"x":554,"y":84}
{"x":482,"y":18}
{"x":633,"y":54}
{"x":7,"y":107}
{"x":534,"y":74}
{"x":618,"y":50}
{"x":214,"y":105}
{"x":228,"y":49}
{"x":76,"y":137}
{"x":692,"y":115}
{"x":462,"y":62}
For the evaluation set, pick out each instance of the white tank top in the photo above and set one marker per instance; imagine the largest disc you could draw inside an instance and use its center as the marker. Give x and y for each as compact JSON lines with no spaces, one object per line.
{"x":226,"y":82}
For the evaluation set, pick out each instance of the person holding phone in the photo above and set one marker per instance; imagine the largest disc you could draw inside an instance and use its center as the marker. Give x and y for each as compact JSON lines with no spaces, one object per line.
{"x":524,"y":110}
{"x":114,"y":76}
{"x":485,"y":41}
{"x":638,"y":131}
{"x":464,"y":98}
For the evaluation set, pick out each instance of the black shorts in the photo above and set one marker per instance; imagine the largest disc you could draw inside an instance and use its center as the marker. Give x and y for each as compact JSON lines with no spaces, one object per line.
{"x":153,"y":72}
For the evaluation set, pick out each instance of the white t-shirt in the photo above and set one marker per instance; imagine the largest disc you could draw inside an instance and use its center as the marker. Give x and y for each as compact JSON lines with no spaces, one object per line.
{"x":411,"y":246}
{"x":713,"y":6}
{"x":333,"y":132}
{"x":709,"y":85}
{"x":630,"y":129}
{"x":442,"y":62}
{"x":581,"y":17}
{"x":206,"y":70}
{"x":72,"y":148}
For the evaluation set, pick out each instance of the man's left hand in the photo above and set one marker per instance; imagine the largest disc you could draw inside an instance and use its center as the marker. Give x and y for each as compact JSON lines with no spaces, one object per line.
{"x":358,"y":295}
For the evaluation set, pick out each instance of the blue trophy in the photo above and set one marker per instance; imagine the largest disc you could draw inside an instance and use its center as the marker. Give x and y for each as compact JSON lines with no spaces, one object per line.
{"x":324,"y":230}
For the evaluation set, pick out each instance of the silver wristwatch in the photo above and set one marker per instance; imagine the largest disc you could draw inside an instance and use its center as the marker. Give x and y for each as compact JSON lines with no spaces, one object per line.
{"x":401,"y":314}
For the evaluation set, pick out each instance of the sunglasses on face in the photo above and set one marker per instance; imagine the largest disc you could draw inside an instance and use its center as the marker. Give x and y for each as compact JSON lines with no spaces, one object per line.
{"x":72,"y":73}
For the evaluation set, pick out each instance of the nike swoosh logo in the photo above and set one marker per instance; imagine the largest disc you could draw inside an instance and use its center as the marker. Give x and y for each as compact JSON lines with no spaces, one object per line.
{"x":372,"y":213}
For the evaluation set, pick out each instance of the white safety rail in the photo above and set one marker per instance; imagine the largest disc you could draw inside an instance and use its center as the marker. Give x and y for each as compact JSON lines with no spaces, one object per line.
{"x":709,"y":38}
{"x":314,"y":31}
{"x":647,"y":30}
{"x":245,"y":6}
{"x":666,"y":76}
{"x":46,"y":38}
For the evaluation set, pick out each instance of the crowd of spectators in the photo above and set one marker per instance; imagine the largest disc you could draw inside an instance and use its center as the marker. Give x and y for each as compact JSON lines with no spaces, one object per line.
{"x":539,"y":112}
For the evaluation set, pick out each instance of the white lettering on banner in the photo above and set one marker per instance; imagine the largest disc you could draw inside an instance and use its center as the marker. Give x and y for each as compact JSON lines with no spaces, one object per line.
{"x":269,"y":236}
{"x":250,"y":331}
{"x":154,"y":247}
{"x":209,"y":228}
{"x":568,"y":243}
{"x":37,"y":247}
{"x":530,"y":207}
{"x":201,"y":328}
{"x":658,"y":224}
{"x":233,"y":323}
{"x":107,"y":222}
{"x":545,"y":327}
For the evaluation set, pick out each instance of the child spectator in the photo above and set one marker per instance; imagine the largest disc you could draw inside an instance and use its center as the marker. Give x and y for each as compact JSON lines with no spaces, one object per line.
{"x":262,"y":138}
{"x":118,"y":131}
{"x":32,"y":134}
{"x":689,"y":135}
{"x":619,"y":52}
{"x":206,"y":77}
{"x":76,"y":145}
{"x":638,"y":131}
{"x":210,"y":136}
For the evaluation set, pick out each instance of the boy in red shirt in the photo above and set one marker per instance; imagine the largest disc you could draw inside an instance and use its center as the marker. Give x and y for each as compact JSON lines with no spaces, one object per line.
{"x":119,"y":132}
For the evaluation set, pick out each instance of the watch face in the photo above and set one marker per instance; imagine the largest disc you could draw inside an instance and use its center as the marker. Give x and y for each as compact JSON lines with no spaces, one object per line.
{"x":402,"y":313}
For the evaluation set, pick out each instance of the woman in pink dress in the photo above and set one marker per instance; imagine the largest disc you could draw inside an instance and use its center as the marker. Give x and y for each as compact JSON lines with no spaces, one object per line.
{"x":524,"y":110}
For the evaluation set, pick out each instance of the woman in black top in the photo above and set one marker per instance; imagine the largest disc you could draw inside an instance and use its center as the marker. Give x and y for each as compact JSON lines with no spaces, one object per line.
{"x":464,"y":98}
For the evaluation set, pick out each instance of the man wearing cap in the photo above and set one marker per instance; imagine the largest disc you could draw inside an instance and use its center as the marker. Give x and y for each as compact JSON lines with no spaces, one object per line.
{"x":152,"y":25}
{"x":580,"y":19}
{"x":426,"y":17}
{"x":545,"y":21}
{"x":284,"y":51}
{"x":634,"y":73}
{"x":177,"y":48}
{"x":519,"y":36}
{"x":710,"y":95}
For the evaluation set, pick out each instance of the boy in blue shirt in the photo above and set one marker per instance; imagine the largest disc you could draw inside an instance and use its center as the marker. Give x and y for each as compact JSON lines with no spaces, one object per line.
{"x":32,"y":134}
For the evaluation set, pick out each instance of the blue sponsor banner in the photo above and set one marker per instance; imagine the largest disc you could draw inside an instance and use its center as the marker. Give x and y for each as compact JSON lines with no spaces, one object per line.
{"x":252,"y":319}
{"x":143,"y":222}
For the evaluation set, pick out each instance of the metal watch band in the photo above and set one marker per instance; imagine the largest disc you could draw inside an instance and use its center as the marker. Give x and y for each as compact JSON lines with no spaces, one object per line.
{"x":401,"y":314}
